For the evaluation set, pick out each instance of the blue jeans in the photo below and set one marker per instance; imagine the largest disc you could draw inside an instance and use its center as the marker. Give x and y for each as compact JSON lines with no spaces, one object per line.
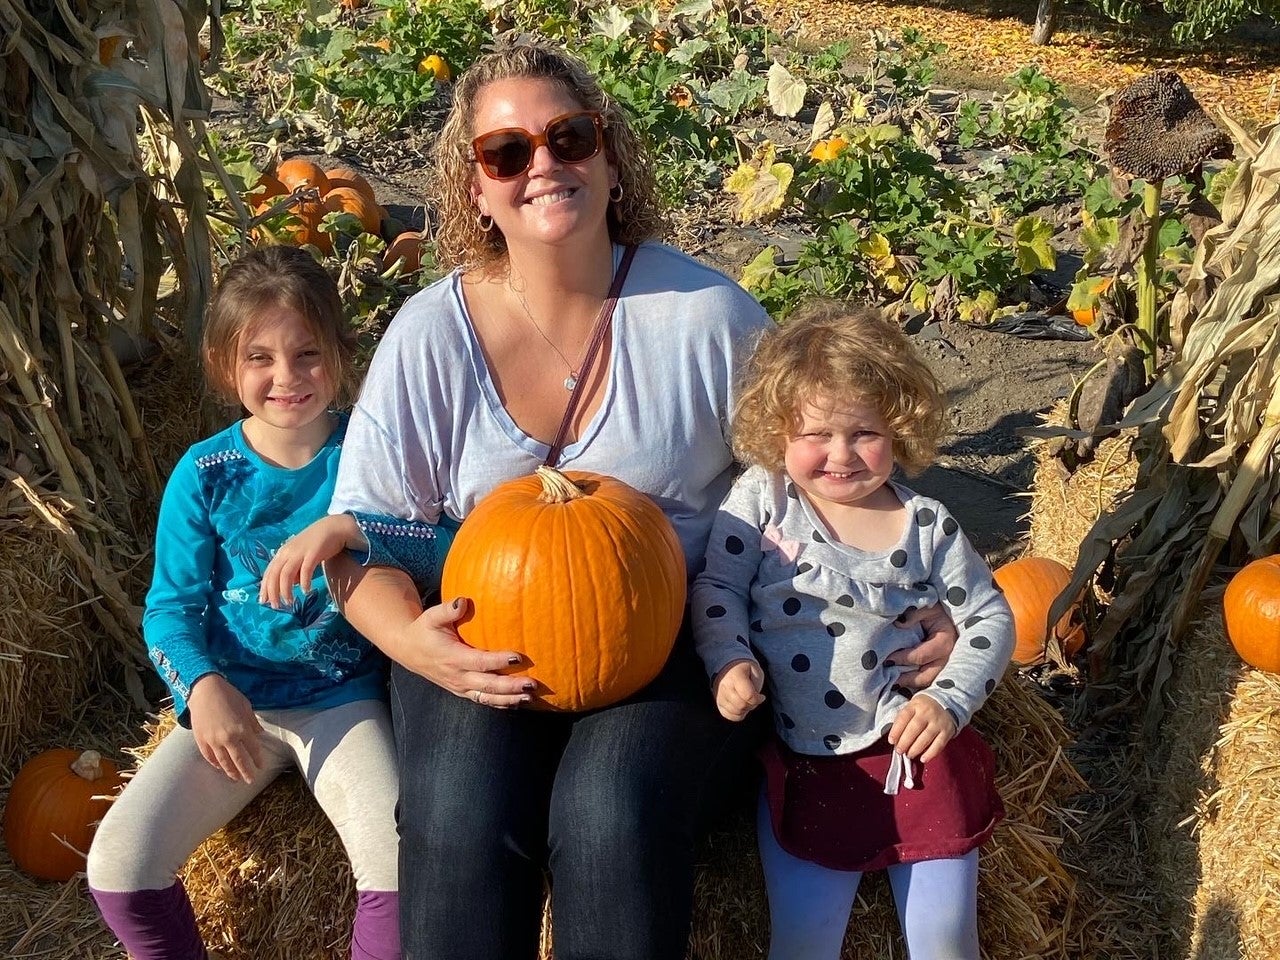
{"x":607,"y":802}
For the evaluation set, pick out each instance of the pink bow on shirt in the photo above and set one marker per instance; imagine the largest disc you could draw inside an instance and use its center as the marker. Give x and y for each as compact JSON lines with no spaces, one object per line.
{"x":771,"y":538}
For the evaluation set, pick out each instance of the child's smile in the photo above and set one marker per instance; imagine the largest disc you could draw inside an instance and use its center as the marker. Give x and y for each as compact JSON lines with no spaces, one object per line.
{"x":841,"y":453}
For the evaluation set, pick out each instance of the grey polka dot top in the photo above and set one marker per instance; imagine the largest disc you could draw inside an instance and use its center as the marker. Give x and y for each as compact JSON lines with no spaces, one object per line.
{"x":821,"y":616}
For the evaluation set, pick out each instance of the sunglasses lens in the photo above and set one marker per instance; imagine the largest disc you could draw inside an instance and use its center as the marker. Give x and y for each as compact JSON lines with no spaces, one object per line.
{"x":573,"y":139}
{"x":505,"y":155}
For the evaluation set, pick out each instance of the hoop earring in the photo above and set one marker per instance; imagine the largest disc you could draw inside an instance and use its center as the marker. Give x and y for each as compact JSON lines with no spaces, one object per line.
{"x":481,"y":219}
{"x":616,"y":197}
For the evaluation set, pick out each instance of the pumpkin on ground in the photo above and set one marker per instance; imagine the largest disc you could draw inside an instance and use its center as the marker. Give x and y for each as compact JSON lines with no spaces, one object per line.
{"x":1030,"y":585}
{"x":346,"y":177}
{"x":829,"y":149}
{"x":437,"y":67}
{"x":352,"y":201}
{"x":578,"y":572}
{"x":406,"y":246}
{"x":297,"y":172}
{"x":55,"y":803}
{"x":1251,"y":612}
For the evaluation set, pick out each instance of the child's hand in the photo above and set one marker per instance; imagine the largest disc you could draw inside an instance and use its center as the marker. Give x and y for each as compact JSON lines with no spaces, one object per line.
{"x":299,"y":556}
{"x":225,"y":727}
{"x":737,"y":689}
{"x":922,"y":728}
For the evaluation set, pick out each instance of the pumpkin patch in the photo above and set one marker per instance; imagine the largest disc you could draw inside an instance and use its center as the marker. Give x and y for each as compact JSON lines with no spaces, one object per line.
{"x":578,"y":572}
{"x":54,"y":807}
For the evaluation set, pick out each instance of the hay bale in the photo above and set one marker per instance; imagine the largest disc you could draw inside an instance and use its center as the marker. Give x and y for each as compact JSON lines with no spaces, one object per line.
{"x":1064,"y":505}
{"x":1215,"y":813}
{"x":275,"y":884}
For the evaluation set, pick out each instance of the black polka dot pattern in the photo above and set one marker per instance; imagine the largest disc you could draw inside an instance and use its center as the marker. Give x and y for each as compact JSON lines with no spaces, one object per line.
{"x":791,"y":491}
{"x":990,"y":686}
{"x":791,"y":606}
{"x":818,"y":537}
{"x":715,"y":612}
{"x":800,"y":663}
{"x":973,"y":621}
{"x":834,"y":699}
{"x":835,"y":629}
{"x":734,"y":545}
{"x":878,"y":585}
{"x":804,"y":568}
{"x":831,"y":741}
{"x":925,"y":517}
{"x":956,"y":596}
{"x":921,"y":585}
{"x":980,"y":643}
{"x":898,"y":559}
{"x":844,"y":600}
{"x":742,"y":640}
{"x":869,"y":660}
{"x":900,"y":691}
{"x":946,"y":684}
{"x":949,"y":526}
{"x":757,"y":626}
{"x":787,"y":721}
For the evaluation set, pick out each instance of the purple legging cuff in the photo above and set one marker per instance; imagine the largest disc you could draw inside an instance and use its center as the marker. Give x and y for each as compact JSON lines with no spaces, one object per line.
{"x":375,"y":935}
{"x":153,"y":924}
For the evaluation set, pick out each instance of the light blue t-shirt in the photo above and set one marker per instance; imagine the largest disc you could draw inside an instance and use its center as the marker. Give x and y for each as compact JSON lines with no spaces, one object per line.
{"x":429,"y":434}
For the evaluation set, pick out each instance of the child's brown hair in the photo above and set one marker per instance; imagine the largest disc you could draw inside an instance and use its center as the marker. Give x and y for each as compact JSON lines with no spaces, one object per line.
{"x":273,"y":277}
{"x":843,"y":352}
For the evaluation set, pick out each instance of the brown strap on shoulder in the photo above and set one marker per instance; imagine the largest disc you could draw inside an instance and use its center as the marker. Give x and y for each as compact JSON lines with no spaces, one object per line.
{"x":603,"y":321}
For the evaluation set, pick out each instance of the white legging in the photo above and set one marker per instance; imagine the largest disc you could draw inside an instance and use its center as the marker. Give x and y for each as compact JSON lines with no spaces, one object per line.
{"x":809,"y":905}
{"x":177,"y":799}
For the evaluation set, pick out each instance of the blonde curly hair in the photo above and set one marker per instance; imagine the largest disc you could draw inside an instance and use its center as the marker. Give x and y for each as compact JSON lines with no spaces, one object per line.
{"x":459,"y":241}
{"x":840,"y":351}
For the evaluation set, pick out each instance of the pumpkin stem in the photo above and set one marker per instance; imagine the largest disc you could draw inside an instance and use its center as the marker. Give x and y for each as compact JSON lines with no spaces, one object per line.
{"x":556,"y":487}
{"x":88,"y":766}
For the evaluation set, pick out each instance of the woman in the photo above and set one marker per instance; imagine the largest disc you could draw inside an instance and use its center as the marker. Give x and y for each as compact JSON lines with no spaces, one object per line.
{"x":545,"y":184}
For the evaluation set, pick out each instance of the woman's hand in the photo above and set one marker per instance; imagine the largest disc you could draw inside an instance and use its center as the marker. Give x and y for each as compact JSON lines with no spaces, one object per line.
{"x":225,"y":727}
{"x":922,"y":728}
{"x":926,"y":659}
{"x":431,"y":649}
{"x":737,"y":689}
{"x":299,"y":556}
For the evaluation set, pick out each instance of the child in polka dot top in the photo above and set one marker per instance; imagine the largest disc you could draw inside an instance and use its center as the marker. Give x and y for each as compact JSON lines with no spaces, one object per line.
{"x":815,"y":562}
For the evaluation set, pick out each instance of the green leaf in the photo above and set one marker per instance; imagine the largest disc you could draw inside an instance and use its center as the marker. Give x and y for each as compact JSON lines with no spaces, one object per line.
{"x":1031,"y":245}
{"x":760,"y":272}
{"x":760,"y":184}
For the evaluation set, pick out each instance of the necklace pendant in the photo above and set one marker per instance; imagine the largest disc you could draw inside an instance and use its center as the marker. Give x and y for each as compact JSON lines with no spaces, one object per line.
{"x":570,"y":382}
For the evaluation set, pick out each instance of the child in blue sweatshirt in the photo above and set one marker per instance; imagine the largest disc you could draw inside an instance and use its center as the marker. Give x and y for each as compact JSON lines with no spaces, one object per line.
{"x":259,"y":688}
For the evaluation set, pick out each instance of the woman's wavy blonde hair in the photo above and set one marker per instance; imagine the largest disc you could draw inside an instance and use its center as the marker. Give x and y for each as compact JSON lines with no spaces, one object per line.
{"x":844,"y":352}
{"x":459,"y":241}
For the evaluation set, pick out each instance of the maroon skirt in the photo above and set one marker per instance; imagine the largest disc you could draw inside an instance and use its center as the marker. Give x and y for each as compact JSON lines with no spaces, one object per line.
{"x":833,"y":811}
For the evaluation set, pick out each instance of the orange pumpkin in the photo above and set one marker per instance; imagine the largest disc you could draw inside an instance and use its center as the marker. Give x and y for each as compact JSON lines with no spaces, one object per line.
{"x":578,"y":572}
{"x":298,"y":172}
{"x":352,"y":201}
{"x":54,"y":807}
{"x":305,"y":227}
{"x":408,"y":246}
{"x":829,"y":149}
{"x":346,"y":177}
{"x":1251,"y":611}
{"x":1088,"y":316}
{"x":1031,"y":584}
{"x":267,"y":188}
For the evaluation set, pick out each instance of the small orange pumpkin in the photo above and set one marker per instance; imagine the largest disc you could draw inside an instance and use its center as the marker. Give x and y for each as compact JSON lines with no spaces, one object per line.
{"x":581,"y":574}
{"x":1251,"y":611}
{"x":267,"y":188}
{"x":829,"y":149}
{"x":437,"y":67}
{"x":1030,"y":585}
{"x":1088,"y":316}
{"x":305,"y":227}
{"x":54,"y":807}
{"x":346,"y":177}
{"x":407,"y":245}
{"x":297,"y":172}
{"x":352,"y":201}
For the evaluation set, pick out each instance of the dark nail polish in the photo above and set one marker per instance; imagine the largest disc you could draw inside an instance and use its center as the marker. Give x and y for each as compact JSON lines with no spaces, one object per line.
{"x":526,"y":699}
{"x":513,"y":659}
{"x":457,"y":602}
{"x":529,"y":687}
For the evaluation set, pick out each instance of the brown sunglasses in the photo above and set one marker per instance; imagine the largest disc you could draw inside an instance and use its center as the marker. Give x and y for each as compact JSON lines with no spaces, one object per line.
{"x":507,"y":153}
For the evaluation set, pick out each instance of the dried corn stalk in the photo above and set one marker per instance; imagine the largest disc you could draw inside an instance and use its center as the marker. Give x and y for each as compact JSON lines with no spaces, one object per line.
{"x":85,"y":235}
{"x":1207,"y":434}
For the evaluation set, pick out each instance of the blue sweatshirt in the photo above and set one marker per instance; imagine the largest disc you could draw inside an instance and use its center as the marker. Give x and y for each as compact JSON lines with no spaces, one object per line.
{"x":224,"y":513}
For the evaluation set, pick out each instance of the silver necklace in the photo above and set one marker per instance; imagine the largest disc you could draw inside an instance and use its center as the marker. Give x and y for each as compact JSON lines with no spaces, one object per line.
{"x":571,"y":380}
